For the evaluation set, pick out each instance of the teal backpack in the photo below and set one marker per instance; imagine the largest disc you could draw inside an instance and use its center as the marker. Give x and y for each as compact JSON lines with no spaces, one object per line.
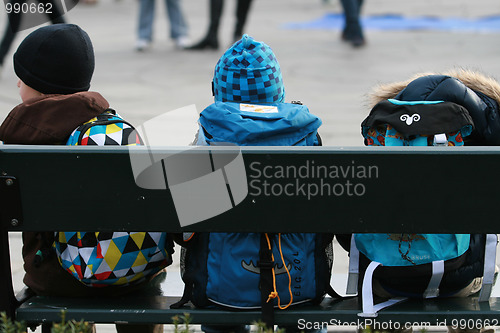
{"x":418,"y":265}
{"x":100,"y":259}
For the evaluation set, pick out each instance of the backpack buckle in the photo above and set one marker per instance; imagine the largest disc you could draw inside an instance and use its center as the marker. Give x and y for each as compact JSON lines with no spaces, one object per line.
{"x":440,"y":140}
{"x":265,"y":264}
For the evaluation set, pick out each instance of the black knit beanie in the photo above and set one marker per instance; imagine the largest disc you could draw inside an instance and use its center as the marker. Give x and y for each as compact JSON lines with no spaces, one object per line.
{"x":56,"y":59}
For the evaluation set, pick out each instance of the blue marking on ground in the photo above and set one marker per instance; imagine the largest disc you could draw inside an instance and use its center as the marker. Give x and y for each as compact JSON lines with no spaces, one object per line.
{"x":489,"y":24}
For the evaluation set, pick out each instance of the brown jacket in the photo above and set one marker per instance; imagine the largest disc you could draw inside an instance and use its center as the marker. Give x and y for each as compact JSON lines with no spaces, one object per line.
{"x":50,"y":119}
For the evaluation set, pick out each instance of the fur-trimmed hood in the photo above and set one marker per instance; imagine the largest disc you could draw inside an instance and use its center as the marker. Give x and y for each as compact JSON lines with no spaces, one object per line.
{"x":472,"y":79}
{"x":476,"y":92}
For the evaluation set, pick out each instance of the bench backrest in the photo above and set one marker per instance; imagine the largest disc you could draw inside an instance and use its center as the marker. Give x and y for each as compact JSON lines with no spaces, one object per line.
{"x":341,"y":190}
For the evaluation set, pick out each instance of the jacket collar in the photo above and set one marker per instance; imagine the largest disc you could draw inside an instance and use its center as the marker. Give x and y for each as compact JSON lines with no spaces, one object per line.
{"x":50,"y":119}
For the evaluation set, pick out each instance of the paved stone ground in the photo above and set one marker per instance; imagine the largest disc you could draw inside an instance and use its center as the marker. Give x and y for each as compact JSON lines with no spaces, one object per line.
{"x":327,"y":75}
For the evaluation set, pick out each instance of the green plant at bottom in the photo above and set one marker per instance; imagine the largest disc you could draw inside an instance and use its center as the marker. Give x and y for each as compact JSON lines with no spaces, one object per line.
{"x":184,"y":321}
{"x":262,"y":328}
{"x":182,"y":325}
{"x":71,"y":326}
{"x":8,"y":326}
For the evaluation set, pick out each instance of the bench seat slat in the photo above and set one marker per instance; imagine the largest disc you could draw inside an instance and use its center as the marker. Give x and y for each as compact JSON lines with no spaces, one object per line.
{"x":156,"y":309}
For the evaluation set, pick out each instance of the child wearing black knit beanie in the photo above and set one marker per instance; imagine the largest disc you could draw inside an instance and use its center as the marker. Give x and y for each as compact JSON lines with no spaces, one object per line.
{"x":55,"y":65}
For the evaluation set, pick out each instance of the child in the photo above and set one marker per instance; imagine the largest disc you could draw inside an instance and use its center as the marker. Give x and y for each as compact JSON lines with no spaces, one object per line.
{"x":477,"y":92}
{"x":55,"y":65}
{"x":458,"y":264}
{"x":250,"y":110}
{"x":480,"y":96}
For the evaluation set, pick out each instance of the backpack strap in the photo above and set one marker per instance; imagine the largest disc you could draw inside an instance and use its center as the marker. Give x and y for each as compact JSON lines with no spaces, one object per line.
{"x":368,"y":306}
{"x":370,"y":310}
{"x":266,"y":264}
{"x":437,"y":275}
{"x":489,"y":267}
{"x":352,"y":279}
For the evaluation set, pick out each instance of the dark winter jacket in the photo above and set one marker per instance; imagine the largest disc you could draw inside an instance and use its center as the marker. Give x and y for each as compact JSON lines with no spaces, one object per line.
{"x":479,"y":94}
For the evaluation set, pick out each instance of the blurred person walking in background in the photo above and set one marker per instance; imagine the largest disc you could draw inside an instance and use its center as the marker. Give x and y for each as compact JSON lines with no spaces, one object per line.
{"x":353,"y":32}
{"x":178,"y":25}
{"x":14,"y":17}
{"x":211,"y":40}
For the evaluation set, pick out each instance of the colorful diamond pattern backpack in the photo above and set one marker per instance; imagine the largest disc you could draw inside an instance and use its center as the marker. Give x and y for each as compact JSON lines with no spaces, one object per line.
{"x":106,"y":129}
{"x":101,"y":259}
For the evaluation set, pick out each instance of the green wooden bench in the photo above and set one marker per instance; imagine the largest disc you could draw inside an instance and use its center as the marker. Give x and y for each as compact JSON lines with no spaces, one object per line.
{"x":319,"y":189}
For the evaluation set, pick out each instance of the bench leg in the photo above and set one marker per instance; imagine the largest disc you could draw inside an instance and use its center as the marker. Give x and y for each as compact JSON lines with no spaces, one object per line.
{"x":46,"y":328}
{"x":8,"y":302}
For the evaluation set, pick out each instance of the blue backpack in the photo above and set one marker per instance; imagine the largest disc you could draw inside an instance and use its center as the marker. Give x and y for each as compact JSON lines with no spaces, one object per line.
{"x":418,"y":265}
{"x":101,"y":259}
{"x":237,"y":270}
{"x":277,"y":124}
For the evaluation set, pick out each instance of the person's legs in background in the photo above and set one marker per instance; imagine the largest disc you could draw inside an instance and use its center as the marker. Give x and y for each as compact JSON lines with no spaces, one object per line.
{"x":14,"y":23}
{"x":145,"y":25}
{"x":211,"y":40}
{"x":55,"y":15}
{"x":242,"y":9}
{"x":8,"y":37}
{"x":353,"y":31}
{"x":178,"y":25}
